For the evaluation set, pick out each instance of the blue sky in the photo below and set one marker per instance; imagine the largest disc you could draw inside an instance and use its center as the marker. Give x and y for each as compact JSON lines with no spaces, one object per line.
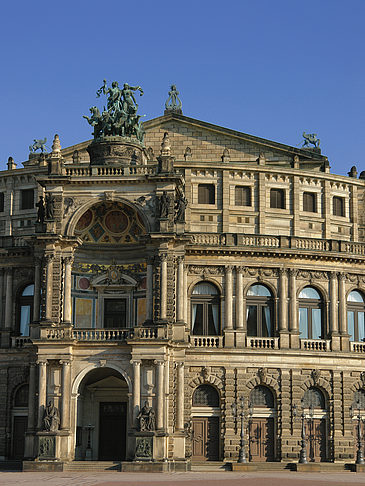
{"x":268,"y":68}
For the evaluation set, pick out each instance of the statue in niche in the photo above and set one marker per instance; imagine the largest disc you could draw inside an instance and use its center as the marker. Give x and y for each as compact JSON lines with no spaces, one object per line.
{"x":50,"y":202}
{"x":51,"y":418}
{"x":41,"y":210}
{"x":165,"y":200}
{"x":180,"y":207}
{"x":146,"y":418}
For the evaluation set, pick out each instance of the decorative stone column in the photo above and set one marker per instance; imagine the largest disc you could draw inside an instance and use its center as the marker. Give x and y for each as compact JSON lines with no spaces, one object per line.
{"x":228,"y":299}
{"x":149,"y":290}
{"x":294,"y":331}
{"x":9,"y":298}
{"x":1,"y":297}
{"x":136,"y":398}
{"x":283,"y":308}
{"x":228,"y":303}
{"x":342,"y":311}
{"x":159,"y":393}
{"x":66,"y":393}
{"x":163,"y":287}
{"x":180,"y":396}
{"x":31,"y":396}
{"x":67,"y":290}
{"x":240,"y":309}
{"x":42,"y":389}
{"x":333,"y":312}
{"x":185,"y":294}
{"x":37,"y":289}
{"x":180,"y":289}
{"x":49,"y":286}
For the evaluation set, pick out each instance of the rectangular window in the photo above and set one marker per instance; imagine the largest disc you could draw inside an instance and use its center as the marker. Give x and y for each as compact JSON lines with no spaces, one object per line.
{"x":310,"y":202}
{"x":277,"y":198}
{"x":206,"y":194}
{"x":27,"y":199}
{"x":115,"y":313}
{"x":338,"y":206}
{"x":1,"y":202}
{"x":242,"y":196}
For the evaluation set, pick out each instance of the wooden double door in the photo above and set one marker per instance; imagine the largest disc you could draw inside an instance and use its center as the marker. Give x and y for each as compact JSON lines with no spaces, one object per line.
{"x":112,"y":431}
{"x":205,"y":438}
{"x":262,"y":440}
{"x":316,"y":440}
{"x":19,"y":429}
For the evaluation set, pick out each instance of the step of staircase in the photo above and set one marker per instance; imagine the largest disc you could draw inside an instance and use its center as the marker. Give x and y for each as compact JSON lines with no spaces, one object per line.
{"x":95,"y":466}
{"x":10,"y":465}
{"x":218,"y":466}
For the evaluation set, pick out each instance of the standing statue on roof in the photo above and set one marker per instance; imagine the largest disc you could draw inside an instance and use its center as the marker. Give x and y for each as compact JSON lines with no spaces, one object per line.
{"x":173,"y":103}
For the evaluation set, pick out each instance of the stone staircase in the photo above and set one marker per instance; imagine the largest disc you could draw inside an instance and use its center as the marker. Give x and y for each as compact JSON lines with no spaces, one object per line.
{"x":205,"y":466}
{"x":90,"y":466}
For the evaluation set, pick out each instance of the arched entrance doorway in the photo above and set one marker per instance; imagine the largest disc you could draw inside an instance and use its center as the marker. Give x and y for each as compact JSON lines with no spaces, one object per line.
{"x":315,"y":413}
{"x":102,"y":411}
{"x":19,"y":422}
{"x":262,"y":425}
{"x":205,"y":424}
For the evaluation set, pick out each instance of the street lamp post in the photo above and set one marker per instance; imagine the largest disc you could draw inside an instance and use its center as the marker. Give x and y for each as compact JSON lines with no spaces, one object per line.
{"x":359,"y":453}
{"x":236,"y":413}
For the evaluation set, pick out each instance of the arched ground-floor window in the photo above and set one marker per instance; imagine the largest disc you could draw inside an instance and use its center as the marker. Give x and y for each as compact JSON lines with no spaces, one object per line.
{"x":19,"y":419}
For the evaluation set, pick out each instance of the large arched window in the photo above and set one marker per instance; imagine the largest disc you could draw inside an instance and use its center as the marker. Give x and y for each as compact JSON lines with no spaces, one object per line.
{"x":25,"y":309}
{"x":205,"y":310}
{"x":205,"y":396}
{"x":314,"y":398}
{"x":259,"y":311}
{"x":355,"y":316}
{"x":261,"y":396}
{"x":311,"y":314}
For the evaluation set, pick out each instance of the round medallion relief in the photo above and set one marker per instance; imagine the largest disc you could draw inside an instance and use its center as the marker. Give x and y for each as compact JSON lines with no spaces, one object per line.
{"x":84,"y":283}
{"x":85,"y":221}
{"x":116,"y":221}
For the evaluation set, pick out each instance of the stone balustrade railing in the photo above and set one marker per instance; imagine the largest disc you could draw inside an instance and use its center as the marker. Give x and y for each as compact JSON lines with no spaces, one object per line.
{"x":104,"y":335}
{"x":262,"y":343}
{"x":315,"y":344}
{"x":105,"y":171}
{"x":279,"y":242}
{"x":357,"y":347}
{"x":206,"y":341}
{"x":19,"y":341}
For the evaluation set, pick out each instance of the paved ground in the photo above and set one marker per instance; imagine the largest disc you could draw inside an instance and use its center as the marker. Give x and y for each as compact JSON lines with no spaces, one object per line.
{"x":182,"y":479}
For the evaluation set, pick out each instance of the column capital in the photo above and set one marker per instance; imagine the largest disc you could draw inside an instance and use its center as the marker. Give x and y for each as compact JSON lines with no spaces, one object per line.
{"x":37,"y":260}
{"x":229,"y":268}
{"x":65,"y":361}
{"x":179,"y":259}
{"x":159,"y":362}
{"x":293,"y":272}
{"x":179,"y":364}
{"x":240,"y":269}
{"x":333,"y":275}
{"x":42,"y":361}
{"x":341,"y":276}
{"x":136,"y":362}
{"x":48,"y":258}
{"x":282,"y":272}
{"x":68,"y":260}
{"x":150,"y":260}
{"x":163,"y":257}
